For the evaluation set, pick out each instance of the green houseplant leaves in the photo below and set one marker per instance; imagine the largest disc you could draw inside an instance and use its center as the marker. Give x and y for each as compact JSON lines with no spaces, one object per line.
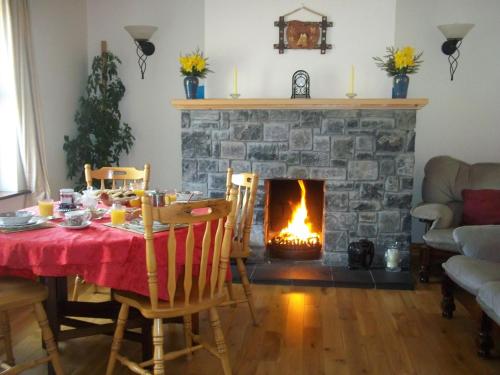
{"x":101,"y":136}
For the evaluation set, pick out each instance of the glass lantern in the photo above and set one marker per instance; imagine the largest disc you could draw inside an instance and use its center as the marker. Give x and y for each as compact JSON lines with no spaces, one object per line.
{"x":393,"y":257}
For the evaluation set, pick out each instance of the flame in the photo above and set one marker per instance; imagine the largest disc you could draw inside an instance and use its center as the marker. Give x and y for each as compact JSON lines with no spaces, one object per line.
{"x":299,"y":227}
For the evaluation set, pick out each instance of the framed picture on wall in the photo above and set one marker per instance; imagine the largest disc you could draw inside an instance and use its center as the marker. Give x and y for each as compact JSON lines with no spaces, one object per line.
{"x":302,"y":34}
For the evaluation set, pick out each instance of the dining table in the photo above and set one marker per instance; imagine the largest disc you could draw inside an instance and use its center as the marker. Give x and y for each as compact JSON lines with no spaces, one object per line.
{"x":107,"y":256}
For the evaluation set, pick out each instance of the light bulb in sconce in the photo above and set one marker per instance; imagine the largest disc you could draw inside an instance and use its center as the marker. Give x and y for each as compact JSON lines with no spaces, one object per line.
{"x":454,"y":34}
{"x":141,"y":35}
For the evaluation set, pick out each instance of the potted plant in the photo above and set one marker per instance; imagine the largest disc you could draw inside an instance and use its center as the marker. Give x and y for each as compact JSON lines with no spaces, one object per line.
{"x":101,"y":136}
{"x":398,"y":63}
{"x":193,"y":67}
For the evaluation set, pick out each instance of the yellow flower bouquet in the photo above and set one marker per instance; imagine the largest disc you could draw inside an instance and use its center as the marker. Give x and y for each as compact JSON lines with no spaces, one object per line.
{"x":399,"y":61}
{"x":194,"y":64}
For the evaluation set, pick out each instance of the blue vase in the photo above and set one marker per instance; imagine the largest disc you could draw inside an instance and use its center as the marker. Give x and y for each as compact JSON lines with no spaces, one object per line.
{"x":190,"y":86}
{"x":400,"y":86}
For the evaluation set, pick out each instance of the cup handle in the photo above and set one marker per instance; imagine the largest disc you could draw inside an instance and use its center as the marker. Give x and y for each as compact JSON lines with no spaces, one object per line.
{"x":88,"y":215}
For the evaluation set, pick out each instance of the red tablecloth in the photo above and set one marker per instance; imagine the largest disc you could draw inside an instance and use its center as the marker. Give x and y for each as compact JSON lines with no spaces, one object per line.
{"x":102,"y":255}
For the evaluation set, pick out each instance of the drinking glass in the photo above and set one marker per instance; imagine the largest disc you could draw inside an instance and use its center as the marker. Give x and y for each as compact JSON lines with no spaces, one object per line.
{"x":170,"y":196}
{"x":46,"y":207}
{"x":137,"y":188}
{"x":117,"y":214}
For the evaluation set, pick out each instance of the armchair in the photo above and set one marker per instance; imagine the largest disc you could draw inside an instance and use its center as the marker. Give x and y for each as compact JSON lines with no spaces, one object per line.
{"x":442,"y":206}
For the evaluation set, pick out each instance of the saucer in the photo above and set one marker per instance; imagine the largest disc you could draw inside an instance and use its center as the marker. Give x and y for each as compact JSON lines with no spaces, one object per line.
{"x":84,"y":225}
{"x":34,"y":221}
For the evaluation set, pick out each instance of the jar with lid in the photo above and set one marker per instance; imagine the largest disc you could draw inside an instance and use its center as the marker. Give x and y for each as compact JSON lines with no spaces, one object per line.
{"x":393,"y":257}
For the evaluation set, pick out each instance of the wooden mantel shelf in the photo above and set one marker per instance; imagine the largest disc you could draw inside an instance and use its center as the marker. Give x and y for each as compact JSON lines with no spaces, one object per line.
{"x":229,"y":104}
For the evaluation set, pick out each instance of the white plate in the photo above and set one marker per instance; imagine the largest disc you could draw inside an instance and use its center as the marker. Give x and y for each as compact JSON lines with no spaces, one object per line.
{"x":35,"y":220}
{"x":84,"y":225}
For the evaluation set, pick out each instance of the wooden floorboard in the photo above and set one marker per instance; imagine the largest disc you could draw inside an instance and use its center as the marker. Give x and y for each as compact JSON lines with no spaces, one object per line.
{"x":305,"y":331}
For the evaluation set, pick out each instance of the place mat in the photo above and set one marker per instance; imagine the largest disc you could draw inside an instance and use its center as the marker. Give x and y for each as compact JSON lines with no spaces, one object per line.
{"x":43,"y":225}
{"x":139,"y":229}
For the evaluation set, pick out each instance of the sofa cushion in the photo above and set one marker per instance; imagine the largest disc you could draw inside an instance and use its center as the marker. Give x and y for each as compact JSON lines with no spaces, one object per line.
{"x":470,"y":273}
{"x":441,"y":239}
{"x":479,"y":241}
{"x":489,"y":300}
{"x":481,"y":207}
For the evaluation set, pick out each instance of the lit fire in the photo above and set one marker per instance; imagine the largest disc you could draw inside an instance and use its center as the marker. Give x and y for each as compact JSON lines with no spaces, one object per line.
{"x":299,"y":230}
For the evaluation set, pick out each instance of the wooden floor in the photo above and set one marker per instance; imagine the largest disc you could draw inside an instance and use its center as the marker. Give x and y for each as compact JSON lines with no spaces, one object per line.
{"x":307,"y":331}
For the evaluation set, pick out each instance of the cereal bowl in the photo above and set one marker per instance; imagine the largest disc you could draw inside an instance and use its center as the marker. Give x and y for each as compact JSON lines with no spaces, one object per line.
{"x":15,"y":218}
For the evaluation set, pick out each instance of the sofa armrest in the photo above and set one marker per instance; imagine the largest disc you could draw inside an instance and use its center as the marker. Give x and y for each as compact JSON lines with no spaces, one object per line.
{"x":440,"y":214}
{"x":479,"y":241}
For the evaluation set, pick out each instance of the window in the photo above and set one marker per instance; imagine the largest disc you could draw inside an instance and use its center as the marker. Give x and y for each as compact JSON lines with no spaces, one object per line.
{"x":9,"y":114}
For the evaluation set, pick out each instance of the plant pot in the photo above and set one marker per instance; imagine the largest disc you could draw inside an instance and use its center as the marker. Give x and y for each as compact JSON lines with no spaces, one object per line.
{"x":190,"y":86}
{"x":400,"y":86}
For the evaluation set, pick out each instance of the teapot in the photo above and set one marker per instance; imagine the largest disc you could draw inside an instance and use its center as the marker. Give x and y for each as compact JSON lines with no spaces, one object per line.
{"x":360,"y":254}
{"x":89,"y":199}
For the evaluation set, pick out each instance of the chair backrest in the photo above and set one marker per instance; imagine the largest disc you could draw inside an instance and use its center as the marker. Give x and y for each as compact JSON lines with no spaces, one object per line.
{"x":205,"y":211}
{"x":125,"y":175}
{"x":246,"y":185}
{"x":445,"y":179}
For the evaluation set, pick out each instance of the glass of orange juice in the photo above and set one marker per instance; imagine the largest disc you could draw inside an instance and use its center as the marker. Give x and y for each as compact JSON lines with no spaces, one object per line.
{"x":137,"y":188}
{"x":117,"y":214}
{"x":170,"y":196}
{"x":46,"y":207}
{"x":139,"y":192}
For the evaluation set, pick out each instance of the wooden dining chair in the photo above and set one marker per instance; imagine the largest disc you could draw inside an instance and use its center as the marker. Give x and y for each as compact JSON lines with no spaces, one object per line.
{"x":202,"y":286}
{"x":125,"y":175}
{"x":17,"y":293}
{"x":246,"y":184}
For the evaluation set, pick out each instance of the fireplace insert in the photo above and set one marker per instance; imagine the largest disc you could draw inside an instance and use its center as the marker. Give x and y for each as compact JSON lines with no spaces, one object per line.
{"x":293,"y":221}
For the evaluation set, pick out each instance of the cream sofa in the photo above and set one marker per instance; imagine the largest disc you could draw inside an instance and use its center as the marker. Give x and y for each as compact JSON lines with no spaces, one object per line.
{"x":477,"y":271}
{"x":442,"y":205}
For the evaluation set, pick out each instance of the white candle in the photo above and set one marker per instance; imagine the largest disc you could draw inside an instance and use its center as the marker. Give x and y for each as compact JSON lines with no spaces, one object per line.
{"x":392,"y":258}
{"x":352,"y":79}
{"x":235,"y":81}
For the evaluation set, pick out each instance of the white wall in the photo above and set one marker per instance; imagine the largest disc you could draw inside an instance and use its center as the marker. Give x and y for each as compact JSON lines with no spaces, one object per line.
{"x":59,"y":30}
{"x":242,"y":33}
{"x":463,"y":115}
{"x":461,"y":119}
{"x":146,"y":105}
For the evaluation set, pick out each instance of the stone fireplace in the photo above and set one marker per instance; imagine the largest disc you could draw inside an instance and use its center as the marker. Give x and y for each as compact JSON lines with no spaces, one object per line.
{"x":364,"y":159}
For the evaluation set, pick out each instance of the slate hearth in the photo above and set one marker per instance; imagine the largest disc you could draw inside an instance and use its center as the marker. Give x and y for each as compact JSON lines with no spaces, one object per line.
{"x":365,"y":157}
{"x":317,"y":274}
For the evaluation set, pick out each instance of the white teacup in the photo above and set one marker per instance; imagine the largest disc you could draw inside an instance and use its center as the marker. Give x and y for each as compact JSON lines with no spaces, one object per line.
{"x":76,"y":218}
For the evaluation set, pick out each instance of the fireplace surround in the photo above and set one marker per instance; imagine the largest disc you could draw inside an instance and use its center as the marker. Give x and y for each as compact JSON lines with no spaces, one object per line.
{"x":364,"y":156}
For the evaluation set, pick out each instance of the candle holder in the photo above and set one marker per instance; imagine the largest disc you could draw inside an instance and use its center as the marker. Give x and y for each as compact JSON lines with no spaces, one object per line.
{"x":351,"y":95}
{"x":234,"y":95}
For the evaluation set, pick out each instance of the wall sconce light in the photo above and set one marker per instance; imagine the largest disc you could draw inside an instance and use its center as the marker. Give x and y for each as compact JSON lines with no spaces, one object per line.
{"x":141,"y":35}
{"x":454,"y":33}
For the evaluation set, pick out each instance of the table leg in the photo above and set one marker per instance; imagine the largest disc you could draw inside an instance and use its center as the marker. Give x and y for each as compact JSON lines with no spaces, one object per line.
{"x":195,"y":318}
{"x":50,"y":305}
{"x":147,"y":339}
{"x":58,"y":292}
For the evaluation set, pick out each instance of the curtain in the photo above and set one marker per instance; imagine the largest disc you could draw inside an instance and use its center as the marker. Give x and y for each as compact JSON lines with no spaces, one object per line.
{"x":9,"y":148}
{"x":30,"y":132}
